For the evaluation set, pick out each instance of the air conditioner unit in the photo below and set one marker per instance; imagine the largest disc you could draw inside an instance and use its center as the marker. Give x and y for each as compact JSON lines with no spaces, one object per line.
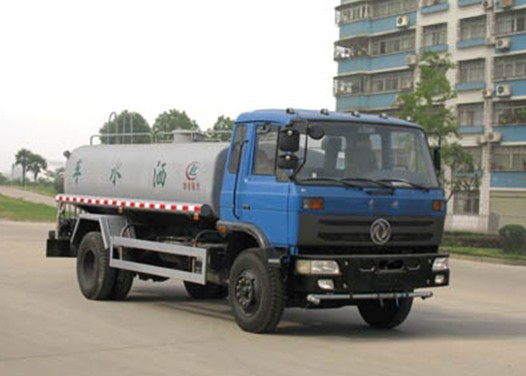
{"x":482,"y":140}
{"x":506,"y":3}
{"x":411,"y":60}
{"x":487,"y":4}
{"x":487,"y":93}
{"x":503,"y":44}
{"x":402,"y":21}
{"x":503,"y":90}
{"x":494,"y":137}
{"x":490,"y":41}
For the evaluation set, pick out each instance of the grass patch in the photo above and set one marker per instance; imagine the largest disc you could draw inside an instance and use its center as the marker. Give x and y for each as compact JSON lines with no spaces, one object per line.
{"x":484,"y":252}
{"x":19,"y":210}
{"x":43,"y":189}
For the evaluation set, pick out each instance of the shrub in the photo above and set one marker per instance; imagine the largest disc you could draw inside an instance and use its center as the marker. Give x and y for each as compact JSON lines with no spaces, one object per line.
{"x":513,"y":238}
{"x":464,"y":239}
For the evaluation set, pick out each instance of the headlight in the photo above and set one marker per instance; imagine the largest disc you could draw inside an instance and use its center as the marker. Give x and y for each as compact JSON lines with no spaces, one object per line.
{"x":440,"y":264}
{"x":317,"y":267}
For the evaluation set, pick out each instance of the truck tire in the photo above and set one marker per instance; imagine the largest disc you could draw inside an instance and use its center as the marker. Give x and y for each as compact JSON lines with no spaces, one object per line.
{"x":95,"y":277}
{"x":386,"y":315}
{"x":256,"y":293}
{"x":208,"y":291}
{"x":122,"y":286}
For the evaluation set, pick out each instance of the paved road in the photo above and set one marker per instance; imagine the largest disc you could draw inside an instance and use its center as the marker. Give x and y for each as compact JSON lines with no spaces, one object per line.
{"x":477,"y":326}
{"x":26,"y":195}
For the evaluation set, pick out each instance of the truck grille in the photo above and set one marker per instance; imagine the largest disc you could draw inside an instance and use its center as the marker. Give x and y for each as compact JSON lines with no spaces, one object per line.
{"x":355,"y":231}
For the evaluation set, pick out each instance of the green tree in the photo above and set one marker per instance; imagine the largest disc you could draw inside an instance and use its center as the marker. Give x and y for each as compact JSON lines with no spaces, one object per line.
{"x":222,"y":128}
{"x":126,"y":128}
{"x":427,"y":106}
{"x":3,"y":179}
{"x":173,"y":119}
{"x":36,"y":165}
{"x":23,"y":158}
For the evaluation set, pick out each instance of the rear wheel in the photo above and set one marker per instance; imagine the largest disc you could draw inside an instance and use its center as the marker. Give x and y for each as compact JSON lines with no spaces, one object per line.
{"x":256,"y":293}
{"x":95,"y":277}
{"x":122,"y":285}
{"x":385,"y":314}
{"x":208,"y":291}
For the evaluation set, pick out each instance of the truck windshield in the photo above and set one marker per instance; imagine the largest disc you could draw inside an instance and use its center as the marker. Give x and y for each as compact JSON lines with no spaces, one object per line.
{"x":359,"y":155}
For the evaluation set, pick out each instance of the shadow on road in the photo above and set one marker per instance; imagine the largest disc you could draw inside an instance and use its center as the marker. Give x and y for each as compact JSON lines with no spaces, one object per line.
{"x":422,"y":323}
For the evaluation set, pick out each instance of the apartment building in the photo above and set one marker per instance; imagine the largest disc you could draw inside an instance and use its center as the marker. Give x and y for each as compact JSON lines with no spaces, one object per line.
{"x":377,"y":49}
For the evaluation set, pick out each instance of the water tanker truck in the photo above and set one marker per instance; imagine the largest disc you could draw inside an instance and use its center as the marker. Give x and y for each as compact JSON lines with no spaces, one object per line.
{"x":311,"y":209}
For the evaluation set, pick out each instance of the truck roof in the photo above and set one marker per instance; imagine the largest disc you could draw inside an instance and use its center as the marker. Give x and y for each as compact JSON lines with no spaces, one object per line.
{"x":284,"y":116}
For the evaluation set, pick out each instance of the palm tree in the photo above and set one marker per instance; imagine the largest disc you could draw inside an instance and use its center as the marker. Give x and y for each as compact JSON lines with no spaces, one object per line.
{"x":23,"y":158}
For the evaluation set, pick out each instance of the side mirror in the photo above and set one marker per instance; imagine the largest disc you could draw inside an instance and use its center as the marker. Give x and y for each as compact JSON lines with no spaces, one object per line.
{"x":288,"y":162}
{"x":289,"y":140}
{"x":437,"y":159}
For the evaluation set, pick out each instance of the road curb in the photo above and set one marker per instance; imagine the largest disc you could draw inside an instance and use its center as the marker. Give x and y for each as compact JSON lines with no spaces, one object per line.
{"x":489,"y":260}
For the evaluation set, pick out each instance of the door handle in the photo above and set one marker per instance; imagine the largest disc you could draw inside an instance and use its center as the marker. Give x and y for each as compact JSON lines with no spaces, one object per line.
{"x":245,"y":207}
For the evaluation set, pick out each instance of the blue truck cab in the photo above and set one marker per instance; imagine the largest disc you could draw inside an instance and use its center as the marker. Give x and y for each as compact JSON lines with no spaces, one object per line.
{"x":347,"y":207}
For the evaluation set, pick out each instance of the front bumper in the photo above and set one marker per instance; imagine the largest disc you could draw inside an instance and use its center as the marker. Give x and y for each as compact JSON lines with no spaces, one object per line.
{"x":370,"y":277}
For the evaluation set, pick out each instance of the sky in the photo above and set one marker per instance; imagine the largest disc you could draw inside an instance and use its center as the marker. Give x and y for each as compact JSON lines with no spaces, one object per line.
{"x":66,"y":65}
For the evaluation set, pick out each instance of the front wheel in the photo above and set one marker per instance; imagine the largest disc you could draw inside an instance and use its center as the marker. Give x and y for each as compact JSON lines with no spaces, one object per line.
{"x":256,"y":293}
{"x":385,"y":314}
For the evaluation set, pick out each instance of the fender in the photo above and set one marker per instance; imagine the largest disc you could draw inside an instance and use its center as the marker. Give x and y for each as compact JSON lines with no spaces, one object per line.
{"x":109,"y":225}
{"x":247,"y":228}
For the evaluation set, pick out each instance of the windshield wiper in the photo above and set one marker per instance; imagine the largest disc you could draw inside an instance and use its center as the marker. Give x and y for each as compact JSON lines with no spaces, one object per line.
{"x":405,"y":181}
{"x":381,"y":183}
{"x":334,"y":180}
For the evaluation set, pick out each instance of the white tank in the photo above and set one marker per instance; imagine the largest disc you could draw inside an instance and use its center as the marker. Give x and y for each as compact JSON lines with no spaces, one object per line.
{"x":189,"y":172}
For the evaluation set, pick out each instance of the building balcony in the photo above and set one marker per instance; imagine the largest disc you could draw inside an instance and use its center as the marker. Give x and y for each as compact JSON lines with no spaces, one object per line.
{"x":510,"y":89}
{"x":435,"y":48}
{"x":376,"y":26}
{"x":512,"y":133}
{"x":465,"y":3}
{"x":471,"y":43}
{"x":508,"y":179}
{"x":366,"y":101}
{"x":434,"y":8}
{"x":517,"y":42}
{"x":470,"y":86}
{"x":373,"y":63}
{"x":473,"y":129}
{"x":509,"y":4}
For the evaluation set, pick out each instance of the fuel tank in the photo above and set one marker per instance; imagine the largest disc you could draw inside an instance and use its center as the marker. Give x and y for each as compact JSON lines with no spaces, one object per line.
{"x":187,"y":172}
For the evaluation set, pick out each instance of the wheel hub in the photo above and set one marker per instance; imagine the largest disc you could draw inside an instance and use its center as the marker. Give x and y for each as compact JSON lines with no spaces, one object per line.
{"x":245,"y":290}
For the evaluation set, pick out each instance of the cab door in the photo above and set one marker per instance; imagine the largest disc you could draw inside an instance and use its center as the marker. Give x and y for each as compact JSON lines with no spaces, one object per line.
{"x":260,"y":198}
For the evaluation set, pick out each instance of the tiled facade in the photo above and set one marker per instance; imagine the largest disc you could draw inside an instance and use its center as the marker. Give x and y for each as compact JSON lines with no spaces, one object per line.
{"x":376,"y":50}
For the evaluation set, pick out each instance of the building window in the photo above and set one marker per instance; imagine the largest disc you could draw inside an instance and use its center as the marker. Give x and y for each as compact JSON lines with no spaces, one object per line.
{"x":390,"y":7}
{"x":392,"y":44}
{"x":352,"y":13}
{"x":511,"y":67}
{"x":473,"y":28}
{"x":385,"y":82}
{"x":350,"y":85}
{"x":466,"y":202}
{"x":471,"y":71}
{"x":435,"y":35}
{"x":471,"y":115}
{"x":511,"y":22}
{"x":510,"y":113}
{"x":508,"y":158}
